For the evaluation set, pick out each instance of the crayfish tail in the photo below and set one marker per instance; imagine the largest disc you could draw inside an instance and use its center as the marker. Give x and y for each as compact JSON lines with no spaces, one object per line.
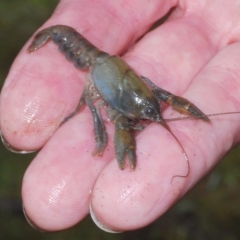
{"x":40,"y":39}
{"x":73,"y":45}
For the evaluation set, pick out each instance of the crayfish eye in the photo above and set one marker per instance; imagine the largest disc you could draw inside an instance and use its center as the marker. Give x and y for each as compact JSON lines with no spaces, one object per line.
{"x":149,"y":111}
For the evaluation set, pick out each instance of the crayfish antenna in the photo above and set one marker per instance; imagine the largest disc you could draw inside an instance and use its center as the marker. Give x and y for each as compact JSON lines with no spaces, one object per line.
{"x":164,"y":124}
{"x":191,"y":117}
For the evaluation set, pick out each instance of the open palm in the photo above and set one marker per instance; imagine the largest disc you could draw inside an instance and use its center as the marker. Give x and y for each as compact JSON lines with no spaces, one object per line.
{"x":194,"y":54}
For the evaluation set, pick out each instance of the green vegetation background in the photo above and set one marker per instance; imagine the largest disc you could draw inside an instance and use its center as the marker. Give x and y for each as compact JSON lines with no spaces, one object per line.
{"x":210,"y":211}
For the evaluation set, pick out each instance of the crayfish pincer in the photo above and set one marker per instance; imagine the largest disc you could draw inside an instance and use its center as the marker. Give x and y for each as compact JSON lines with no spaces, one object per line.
{"x":113,"y":83}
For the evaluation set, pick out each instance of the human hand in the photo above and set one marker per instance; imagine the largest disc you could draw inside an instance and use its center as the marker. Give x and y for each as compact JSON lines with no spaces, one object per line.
{"x":194,"y":54}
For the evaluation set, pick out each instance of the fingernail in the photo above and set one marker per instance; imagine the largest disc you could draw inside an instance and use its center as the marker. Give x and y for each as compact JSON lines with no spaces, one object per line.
{"x":98,"y":223}
{"x":12,"y":149}
{"x":31,"y":223}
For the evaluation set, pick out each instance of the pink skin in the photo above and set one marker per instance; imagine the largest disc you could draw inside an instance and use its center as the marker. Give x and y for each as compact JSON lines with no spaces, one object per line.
{"x":195,"y":54}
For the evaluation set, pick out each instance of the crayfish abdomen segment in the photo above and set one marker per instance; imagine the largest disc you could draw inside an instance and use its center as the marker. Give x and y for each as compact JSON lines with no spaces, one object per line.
{"x":76,"y":48}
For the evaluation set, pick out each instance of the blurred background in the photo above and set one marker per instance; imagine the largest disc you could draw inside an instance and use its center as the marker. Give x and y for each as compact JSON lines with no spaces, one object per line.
{"x":210,"y":211}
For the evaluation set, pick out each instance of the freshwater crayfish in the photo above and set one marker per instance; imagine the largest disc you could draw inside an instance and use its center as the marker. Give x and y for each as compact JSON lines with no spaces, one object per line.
{"x":111,"y":80}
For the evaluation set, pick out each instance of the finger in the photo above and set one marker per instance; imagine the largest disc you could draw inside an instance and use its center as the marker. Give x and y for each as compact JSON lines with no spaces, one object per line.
{"x":57,"y":184}
{"x":176,"y":51}
{"x":142,"y":196}
{"x":42,"y":88}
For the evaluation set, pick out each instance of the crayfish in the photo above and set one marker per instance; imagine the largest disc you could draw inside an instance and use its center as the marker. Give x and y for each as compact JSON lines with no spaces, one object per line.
{"x":113,"y":83}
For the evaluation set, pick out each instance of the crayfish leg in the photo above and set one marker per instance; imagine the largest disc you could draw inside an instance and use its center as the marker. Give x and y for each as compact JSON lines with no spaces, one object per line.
{"x":99,"y":128}
{"x":75,"y":112}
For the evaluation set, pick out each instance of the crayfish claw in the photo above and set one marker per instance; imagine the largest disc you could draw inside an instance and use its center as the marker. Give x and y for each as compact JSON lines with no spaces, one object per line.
{"x":196,"y":112}
{"x":179,"y":104}
{"x":122,"y":155}
{"x":184,"y":106}
{"x":124,"y":143}
{"x":132,"y":158}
